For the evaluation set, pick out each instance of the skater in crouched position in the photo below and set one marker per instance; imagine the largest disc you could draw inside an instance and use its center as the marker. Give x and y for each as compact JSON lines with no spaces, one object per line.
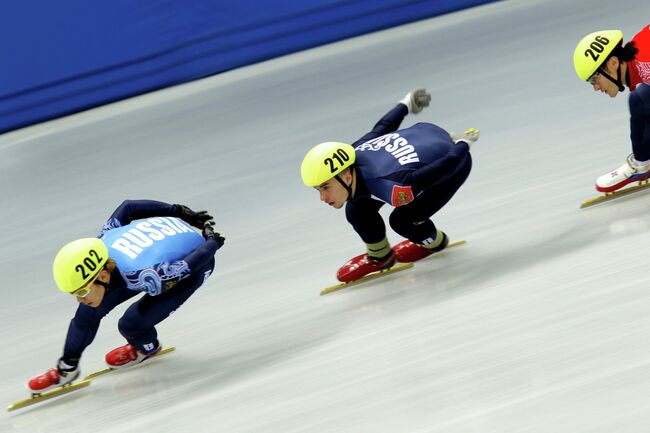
{"x":145,"y":246}
{"x":417,"y":170}
{"x":602,"y":60}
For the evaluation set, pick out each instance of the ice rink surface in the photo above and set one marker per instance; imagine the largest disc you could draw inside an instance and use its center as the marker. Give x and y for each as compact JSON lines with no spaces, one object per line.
{"x":540,"y":323}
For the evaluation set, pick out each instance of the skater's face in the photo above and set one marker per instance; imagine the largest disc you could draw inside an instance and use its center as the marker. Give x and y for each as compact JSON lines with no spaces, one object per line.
{"x":97,"y":291}
{"x":600,"y":83}
{"x":333,"y":193}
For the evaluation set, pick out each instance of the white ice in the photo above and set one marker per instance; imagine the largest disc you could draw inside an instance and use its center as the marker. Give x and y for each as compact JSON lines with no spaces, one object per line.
{"x":540,"y":323}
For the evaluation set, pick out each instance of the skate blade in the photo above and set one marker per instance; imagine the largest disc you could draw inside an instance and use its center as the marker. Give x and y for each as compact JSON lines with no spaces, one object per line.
{"x":616,"y":194}
{"x":396,"y":268}
{"x":381,"y":273}
{"x":37,"y":398}
{"x":109,"y":369}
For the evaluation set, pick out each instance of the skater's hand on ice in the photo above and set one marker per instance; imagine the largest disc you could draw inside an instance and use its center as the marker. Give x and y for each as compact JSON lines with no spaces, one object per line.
{"x":470,"y":136}
{"x":209,"y":233}
{"x":195,"y":219}
{"x":416,"y":100}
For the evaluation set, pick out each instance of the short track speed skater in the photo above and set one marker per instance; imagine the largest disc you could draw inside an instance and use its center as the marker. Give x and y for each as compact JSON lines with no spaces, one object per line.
{"x":382,"y":273}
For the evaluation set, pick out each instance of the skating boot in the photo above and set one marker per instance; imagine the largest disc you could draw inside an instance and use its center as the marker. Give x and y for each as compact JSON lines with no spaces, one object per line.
{"x":629,"y":172}
{"x":408,"y":252}
{"x":53,"y":378}
{"x":128,"y":356}
{"x":363,"y":265}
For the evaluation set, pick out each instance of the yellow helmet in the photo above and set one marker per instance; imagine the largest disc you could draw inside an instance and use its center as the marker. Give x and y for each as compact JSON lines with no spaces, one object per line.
{"x":592,"y":51}
{"x":324,"y":161}
{"x":78,"y":263}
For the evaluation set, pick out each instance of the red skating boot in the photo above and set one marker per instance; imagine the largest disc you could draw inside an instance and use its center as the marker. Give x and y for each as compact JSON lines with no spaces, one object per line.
{"x":363,"y":265}
{"x":127,"y":356}
{"x":408,"y":252}
{"x":53,"y":378}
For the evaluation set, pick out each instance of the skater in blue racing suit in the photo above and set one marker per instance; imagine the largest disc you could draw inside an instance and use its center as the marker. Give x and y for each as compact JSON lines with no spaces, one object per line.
{"x":417,"y":170}
{"x":146,"y":247}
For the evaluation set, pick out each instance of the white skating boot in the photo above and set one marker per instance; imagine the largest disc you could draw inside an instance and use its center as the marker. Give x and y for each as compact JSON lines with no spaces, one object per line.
{"x":631,"y":171}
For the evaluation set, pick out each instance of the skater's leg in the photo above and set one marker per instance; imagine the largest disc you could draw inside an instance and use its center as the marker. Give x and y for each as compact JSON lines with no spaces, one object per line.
{"x":81,"y":332}
{"x":637,"y":165}
{"x":412,"y":220}
{"x":639,"y":102}
{"x":138,"y":323}
{"x":363,"y":215}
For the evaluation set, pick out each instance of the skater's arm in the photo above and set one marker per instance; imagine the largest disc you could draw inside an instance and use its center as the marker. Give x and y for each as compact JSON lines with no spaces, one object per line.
{"x":202,"y":254}
{"x":389,"y":123}
{"x":131,"y":210}
{"x":81,"y":332}
{"x":414,"y":102}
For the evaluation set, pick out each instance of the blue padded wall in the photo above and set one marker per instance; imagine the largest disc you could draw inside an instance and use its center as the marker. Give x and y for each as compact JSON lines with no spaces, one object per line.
{"x":62,"y":57}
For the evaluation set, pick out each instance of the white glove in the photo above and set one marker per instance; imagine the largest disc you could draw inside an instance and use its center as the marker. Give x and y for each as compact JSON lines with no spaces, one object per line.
{"x":470,"y":136}
{"x":416,"y":100}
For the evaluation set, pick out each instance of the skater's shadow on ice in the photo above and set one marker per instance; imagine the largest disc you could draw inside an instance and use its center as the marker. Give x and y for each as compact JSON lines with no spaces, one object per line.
{"x":474,"y":266}
{"x":197,"y":373}
{"x":46,"y":415}
{"x":231,"y":366}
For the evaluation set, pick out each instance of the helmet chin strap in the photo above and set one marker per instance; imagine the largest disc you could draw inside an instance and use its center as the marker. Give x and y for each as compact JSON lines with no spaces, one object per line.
{"x":101,"y":283}
{"x":347,"y":187}
{"x":618,"y":81}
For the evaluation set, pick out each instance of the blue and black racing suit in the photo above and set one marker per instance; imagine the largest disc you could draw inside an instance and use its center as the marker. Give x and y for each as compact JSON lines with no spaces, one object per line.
{"x":155,"y":252}
{"x":417,"y":170}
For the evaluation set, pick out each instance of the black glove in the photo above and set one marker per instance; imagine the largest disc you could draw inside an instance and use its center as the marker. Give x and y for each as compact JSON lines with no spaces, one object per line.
{"x":209,"y":233}
{"x":196,"y":219}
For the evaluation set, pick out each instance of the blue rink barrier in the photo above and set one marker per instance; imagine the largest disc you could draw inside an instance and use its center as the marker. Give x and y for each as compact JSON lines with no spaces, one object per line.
{"x":59,"y":58}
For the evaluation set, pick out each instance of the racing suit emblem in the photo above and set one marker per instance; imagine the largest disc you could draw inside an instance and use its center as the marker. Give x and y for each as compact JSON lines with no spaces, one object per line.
{"x":401,"y":195}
